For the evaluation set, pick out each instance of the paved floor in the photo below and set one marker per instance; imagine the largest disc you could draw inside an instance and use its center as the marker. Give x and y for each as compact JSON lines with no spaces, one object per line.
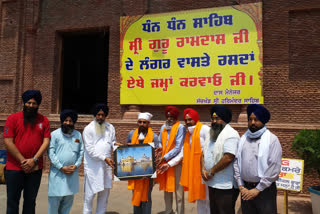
{"x":120,"y":198}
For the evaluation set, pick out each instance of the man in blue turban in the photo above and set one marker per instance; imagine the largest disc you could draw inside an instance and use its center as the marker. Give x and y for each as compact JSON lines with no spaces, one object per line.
{"x":30,"y":111}
{"x":65,"y":154}
{"x":258,"y":164}
{"x":26,"y":137}
{"x":217,"y":161}
{"x":29,"y":94}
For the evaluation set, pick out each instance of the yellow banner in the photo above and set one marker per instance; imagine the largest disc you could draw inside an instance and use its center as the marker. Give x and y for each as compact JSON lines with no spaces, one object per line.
{"x":207,"y":56}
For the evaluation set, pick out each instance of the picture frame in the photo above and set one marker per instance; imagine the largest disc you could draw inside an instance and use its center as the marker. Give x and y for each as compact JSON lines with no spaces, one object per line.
{"x":134,"y":161}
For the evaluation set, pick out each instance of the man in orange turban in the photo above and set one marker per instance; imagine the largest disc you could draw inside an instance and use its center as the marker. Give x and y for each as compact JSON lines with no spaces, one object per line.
{"x":171,"y":141}
{"x":191,"y":168}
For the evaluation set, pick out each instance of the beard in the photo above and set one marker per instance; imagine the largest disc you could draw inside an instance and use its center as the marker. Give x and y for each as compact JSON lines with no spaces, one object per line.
{"x":100,"y":128}
{"x":29,"y":115}
{"x":67,"y":129}
{"x":254,"y":128}
{"x":170,"y":122}
{"x":142,"y":129}
{"x":216,"y":130}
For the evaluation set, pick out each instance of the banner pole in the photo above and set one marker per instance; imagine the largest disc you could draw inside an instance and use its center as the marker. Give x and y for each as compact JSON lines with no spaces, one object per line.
{"x":285,"y":201}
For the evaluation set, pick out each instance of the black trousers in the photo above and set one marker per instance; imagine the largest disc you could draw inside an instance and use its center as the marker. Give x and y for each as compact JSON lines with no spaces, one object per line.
{"x":222,"y":201}
{"x":17,"y":181}
{"x":264,"y":203}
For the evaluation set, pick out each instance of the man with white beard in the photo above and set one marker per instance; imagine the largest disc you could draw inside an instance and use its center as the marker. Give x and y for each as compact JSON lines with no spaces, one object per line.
{"x":99,"y":139}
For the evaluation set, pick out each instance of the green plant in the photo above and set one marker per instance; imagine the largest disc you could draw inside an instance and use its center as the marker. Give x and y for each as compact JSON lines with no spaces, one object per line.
{"x":307,"y":144}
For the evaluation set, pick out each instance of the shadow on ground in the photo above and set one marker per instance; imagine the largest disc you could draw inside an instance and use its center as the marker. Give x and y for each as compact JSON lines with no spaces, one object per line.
{"x":298,"y":206}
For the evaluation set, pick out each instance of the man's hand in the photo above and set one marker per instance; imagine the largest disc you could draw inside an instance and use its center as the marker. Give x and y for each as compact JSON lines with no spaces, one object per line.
{"x":249,"y":194}
{"x":73,"y":167}
{"x":158,"y":152}
{"x":119,"y":144}
{"x":205,"y":175}
{"x":110,"y":162}
{"x":67,"y":170}
{"x":28,"y":165}
{"x":159,"y":161}
{"x":164,"y":167}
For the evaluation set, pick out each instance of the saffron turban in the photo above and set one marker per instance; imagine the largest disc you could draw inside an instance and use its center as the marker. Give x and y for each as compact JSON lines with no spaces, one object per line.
{"x":191,"y":113}
{"x":68,"y":113}
{"x":146,"y":115}
{"x":172,"y":111}
{"x":259,"y":111}
{"x":29,"y":94}
{"x":100,"y":107}
{"x":222,"y":111}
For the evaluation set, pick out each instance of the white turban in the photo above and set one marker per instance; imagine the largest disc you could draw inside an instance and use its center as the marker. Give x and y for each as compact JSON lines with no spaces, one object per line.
{"x":145,"y":115}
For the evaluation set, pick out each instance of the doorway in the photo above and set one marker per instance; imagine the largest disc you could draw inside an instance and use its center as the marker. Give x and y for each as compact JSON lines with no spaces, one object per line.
{"x":84,"y":70}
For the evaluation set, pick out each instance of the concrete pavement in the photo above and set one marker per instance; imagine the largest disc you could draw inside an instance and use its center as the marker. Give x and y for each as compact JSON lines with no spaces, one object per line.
{"x":120,"y":198}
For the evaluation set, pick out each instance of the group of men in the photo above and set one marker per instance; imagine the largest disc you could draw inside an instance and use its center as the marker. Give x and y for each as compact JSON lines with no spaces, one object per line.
{"x":212,"y":163}
{"x":27,"y":137}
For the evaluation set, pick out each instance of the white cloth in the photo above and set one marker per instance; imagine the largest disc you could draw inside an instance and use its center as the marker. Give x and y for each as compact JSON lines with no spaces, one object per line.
{"x":102,"y":202}
{"x":217,"y":151}
{"x":227,"y":142}
{"x":204,"y":134}
{"x":97,"y":172}
{"x":203,"y":206}
{"x":145,"y":115}
{"x":191,"y":129}
{"x":141,"y":136}
{"x":262,"y":154}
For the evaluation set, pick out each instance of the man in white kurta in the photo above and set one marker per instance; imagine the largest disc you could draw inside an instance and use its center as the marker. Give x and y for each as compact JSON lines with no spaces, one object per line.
{"x":99,"y":139}
{"x":65,"y":154}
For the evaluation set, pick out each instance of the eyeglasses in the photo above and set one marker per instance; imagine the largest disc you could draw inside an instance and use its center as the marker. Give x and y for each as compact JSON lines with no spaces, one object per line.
{"x":144,"y":122}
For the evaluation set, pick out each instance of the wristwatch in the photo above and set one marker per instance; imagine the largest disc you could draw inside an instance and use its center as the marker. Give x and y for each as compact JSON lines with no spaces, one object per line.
{"x":35,"y":160}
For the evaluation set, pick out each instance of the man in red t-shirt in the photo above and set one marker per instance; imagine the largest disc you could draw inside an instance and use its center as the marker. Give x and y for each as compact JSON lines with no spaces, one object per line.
{"x":26,"y":137}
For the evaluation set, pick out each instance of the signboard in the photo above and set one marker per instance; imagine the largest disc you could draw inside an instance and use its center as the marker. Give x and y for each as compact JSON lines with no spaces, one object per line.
{"x":291,"y":175}
{"x":206,"y":56}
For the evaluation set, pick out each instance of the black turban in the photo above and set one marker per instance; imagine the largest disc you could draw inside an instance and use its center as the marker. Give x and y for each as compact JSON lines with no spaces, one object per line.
{"x":29,"y":94}
{"x":223,"y":112}
{"x":68,"y":113}
{"x":259,"y":111}
{"x":100,"y":107}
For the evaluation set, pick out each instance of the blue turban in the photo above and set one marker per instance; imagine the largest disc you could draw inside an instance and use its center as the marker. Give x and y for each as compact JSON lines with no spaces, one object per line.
{"x":29,"y":94}
{"x":68,"y":113}
{"x":223,"y":112}
{"x":100,"y":107}
{"x":259,"y":111}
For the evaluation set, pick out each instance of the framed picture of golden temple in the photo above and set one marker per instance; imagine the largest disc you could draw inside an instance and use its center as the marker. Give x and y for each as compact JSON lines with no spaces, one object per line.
{"x":134,"y":161}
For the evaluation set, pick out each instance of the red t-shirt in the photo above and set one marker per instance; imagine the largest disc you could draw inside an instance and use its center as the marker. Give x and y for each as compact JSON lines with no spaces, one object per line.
{"x":27,"y":139}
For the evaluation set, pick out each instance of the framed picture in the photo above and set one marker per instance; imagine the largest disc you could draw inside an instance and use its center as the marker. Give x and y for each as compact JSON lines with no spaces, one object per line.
{"x":134,"y":161}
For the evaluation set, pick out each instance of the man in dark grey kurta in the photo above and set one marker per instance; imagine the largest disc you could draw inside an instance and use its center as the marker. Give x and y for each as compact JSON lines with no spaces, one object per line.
{"x":258,"y":164}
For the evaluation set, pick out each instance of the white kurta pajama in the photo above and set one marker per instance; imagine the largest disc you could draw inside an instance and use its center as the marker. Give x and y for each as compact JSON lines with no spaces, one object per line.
{"x":98,"y":174}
